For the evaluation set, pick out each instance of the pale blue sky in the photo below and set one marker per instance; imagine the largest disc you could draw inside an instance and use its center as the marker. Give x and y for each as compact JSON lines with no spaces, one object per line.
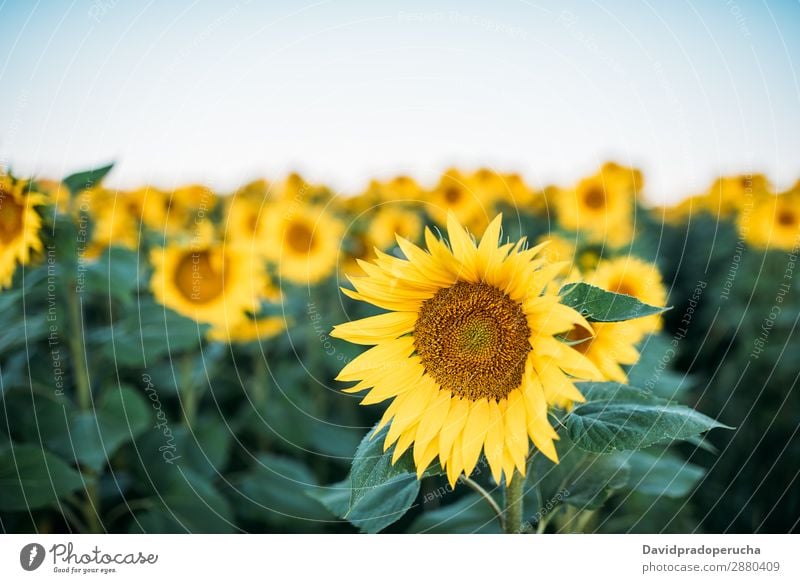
{"x":343,"y":91}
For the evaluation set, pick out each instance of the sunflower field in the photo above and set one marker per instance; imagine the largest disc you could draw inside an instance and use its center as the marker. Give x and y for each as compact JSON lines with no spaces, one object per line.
{"x":470,"y":355}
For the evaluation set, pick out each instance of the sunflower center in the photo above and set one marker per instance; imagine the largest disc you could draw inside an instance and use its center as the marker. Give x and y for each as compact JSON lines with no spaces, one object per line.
{"x":11,"y":213}
{"x":786,"y":218}
{"x":473,"y":340}
{"x":595,"y":198}
{"x":299,"y":238}
{"x":198,"y":279}
{"x":452,"y":194}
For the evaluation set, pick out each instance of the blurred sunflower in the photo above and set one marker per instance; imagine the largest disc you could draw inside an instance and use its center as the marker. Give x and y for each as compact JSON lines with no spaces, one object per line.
{"x":207,"y":281}
{"x":147,"y":205}
{"x":56,"y":192}
{"x":729,"y":194}
{"x":186,"y":205}
{"x":302,"y":241}
{"x":356,"y":247}
{"x":633,"y":277}
{"x":602,"y":210}
{"x":454,"y":193}
{"x":399,"y":189}
{"x":494,"y":187}
{"x":468,"y":353}
{"x":681,"y":211}
{"x":242,"y":221}
{"x":558,"y":249}
{"x":774,"y":221}
{"x":112,"y":226}
{"x":389,"y":221}
{"x":19,"y":226}
{"x":608,"y":345}
{"x":246,"y":329}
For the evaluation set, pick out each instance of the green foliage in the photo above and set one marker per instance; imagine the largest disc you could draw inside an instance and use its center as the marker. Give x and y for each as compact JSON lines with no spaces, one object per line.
{"x":31,"y":478}
{"x":626,"y":421}
{"x":86,"y":179}
{"x":599,"y":305}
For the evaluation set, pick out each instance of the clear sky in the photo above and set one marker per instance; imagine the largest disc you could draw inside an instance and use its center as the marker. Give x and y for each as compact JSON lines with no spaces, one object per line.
{"x":221,"y":92}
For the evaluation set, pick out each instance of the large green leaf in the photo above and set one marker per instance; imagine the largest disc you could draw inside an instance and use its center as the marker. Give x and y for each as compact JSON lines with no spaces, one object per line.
{"x":86,"y":179}
{"x":620,"y":425}
{"x":31,"y":477}
{"x":274,"y":492}
{"x":652,"y":370}
{"x":376,"y":509}
{"x":187,"y":502}
{"x":372,"y":467}
{"x":147,"y":332}
{"x":594,"y":479}
{"x":379,"y":489}
{"x":662,"y":474}
{"x":469,"y":514}
{"x":599,"y":305}
{"x":94,"y":436}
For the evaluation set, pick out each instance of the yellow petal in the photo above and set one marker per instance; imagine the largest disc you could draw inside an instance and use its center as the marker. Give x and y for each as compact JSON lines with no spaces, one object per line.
{"x":376,"y":329}
{"x":474,"y":434}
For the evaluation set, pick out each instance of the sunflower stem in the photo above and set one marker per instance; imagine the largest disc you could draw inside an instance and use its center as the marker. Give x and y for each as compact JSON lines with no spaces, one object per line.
{"x":486,"y":496}
{"x":78,"y":351}
{"x":513,"y":512}
{"x":83,"y":396}
{"x":188,"y":391}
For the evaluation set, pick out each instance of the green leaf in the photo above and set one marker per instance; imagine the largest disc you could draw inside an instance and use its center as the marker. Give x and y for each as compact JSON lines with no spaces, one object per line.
{"x":147,"y":333}
{"x":593,"y":480}
{"x":612,"y":391}
{"x":32,"y":478}
{"x":376,"y":509}
{"x":469,"y":514}
{"x":115,"y":274}
{"x":652,"y":370}
{"x":662,"y":474}
{"x":274,"y":492}
{"x":93,"y":437}
{"x":607,"y":426}
{"x":187,"y":503}
{"x":382,"y":492}
{"x":599,"y":305}
{"x":87,"y":179}
{"x":372,"y":467}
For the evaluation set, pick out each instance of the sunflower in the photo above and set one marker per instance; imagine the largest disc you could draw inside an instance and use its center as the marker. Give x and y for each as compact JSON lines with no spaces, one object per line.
{"x":679,"y":213}
{"x":113,"y":226}
{"x":729,"y":194}
{"x":148,"y":205}
{"x":388,"y":222}
{"x":357,"y":247}
{"x":185,"y":206}
{"x":242,"y":221}
{"x":302,"y":241}
{"x":774,"y":221}
{"x":469,"y":352}
{"x":56,"y":192}
{"x":633,"y":277}
{"x":558,"y":248}
{"x":246,"y":329}
{"x":456,"y":193}
{"x":399,"y":189}
{"x":493,"y":187}
{"x":19,"y":226}
{"x":608,"y":345}
{"x":207,"y":281}
{"x":600,"y":209}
